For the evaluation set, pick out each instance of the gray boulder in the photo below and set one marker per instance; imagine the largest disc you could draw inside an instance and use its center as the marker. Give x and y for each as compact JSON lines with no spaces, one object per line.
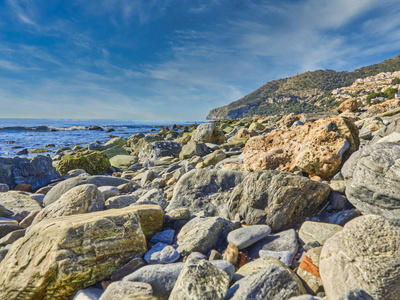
{"x":18,"y":202}
{"x":162,"y":254}
{"x":247,"y":236}
{"x":120,"y":201}
{"x":208,"y":133}
{"x":372,"y":177}
{"x":153,"y":196}
{"x":365,"y":255}
{"x":208,"y":190}
{"x":37,"y":171}
{"x":278,"y":199}
{"x":199,"y":279}
{"x":202,"y":234}
{"x":64,"y":186}
{"x":156,"y":150}
{"x":121,"y":290}
{"x":273,"y":281}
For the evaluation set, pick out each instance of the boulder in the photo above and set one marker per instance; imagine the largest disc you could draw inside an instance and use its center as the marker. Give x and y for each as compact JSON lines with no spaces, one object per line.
{"x":62,"y":187}
{"x":214,"y":158}
{"x":350,"y":104}
{"x":317,"y":232}
{"x":12,"y":237}
{"x":156,"y":150}
{"x":122,"y":290}
{"x":18,"y":202}
{"x":123,"y":161}
{"x":58,"y":257}
{"x":114,"y":151}
{"x":201,"y":234}
{"x":247,"y":236}
{"x":37,"y":171}
{"x":117,"y":141}
{"x":78,"y":200}
{"x":317,"y":149}
{"x":208,"y":133}
{"x":93,"y":162}
{"x":6,"y":228}
{"x":278,"y":199}
{"x":120,"y":201}
{"x":193,"y":148}
{"x":372,"y":177}
{"x":199,"y":279}
{"x":208,"y":190}
{"x":273,"y":281}
{"x":153,"y":196}
{"x":365,"y":255}
{"x":393,"y":127}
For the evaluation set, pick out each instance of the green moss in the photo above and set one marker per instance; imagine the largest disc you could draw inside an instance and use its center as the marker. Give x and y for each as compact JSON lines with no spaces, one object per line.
{"x":39,"y":150}
{"x":93,"y":162}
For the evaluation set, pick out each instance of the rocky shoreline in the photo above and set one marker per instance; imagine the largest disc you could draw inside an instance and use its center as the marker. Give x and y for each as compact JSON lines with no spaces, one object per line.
{"x":283,"y":207}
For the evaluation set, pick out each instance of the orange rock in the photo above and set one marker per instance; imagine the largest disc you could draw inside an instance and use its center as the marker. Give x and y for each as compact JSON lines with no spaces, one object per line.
{"x":308,"y":265}
{"x":242,"y":260}
{"x":384,"y":107}
{"x":316,"y":148}
{"x":349,"y":104}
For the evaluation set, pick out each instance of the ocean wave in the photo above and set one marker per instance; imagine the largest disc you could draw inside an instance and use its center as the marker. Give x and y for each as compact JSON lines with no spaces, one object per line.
{"x":44,"y":128}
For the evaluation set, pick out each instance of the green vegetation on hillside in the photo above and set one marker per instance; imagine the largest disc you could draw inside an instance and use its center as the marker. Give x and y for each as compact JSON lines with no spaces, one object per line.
{"x":311,"y":86}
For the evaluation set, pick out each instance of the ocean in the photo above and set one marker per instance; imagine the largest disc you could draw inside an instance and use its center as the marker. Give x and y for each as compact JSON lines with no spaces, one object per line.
{"x":19,"y":134}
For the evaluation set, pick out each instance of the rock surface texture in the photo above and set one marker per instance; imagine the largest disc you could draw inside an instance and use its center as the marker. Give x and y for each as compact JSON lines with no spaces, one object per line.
{"x":372,"y":180}
{"x":58,"y":257}
{"x":366,"y":255}
{"x":316,"y":148}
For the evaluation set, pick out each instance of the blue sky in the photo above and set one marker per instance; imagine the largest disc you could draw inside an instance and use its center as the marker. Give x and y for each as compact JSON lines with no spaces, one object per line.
{"x":175,"y":59}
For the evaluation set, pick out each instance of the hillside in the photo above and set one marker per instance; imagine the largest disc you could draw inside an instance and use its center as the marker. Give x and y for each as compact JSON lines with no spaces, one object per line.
{"x":306,"y":92}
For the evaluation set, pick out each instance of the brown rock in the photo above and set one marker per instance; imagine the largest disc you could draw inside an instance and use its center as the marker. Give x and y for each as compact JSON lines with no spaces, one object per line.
{"x":316,"y":148}
{"x":23,"y":187}
{"x":350,"y":104}
{"x":287,"y":121}
{"x":27,"y":221}
{"x":58,"y":257}
{"x":383,"y":107}
{"x":128,"y":268}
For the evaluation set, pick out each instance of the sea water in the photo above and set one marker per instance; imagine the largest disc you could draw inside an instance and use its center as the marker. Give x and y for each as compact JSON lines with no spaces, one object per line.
{"x":18,"y":134}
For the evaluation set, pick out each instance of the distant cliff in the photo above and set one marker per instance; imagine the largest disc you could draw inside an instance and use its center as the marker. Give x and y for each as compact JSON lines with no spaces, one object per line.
{"x":306,"y":92}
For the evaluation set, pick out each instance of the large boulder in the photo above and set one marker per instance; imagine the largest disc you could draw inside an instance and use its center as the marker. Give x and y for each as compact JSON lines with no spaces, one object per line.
{"x":207,"y":190}
{"x":123,"y":161}
{"x":93,"y":162}
{"x":113,"y":151}
{"x":208,"y":133}
{"x":79,"y":200}
{"x":58,"y":257}
{"x":199,"y":279}
{"x":37,"y":171}
{"x":202,"y":234}
{"x":55,"y":193}
{"x":350,"y":104}
{"x":193,"y":148}
{"x":393,"y":127}
{"x":278,"y":199}
{"x":273,"y":280}
{"x":372,"y":177}
{"x":18,"y":202}
{"x":156,"y":150}
{"x":317,"y":148}
{"x":365,"y":255}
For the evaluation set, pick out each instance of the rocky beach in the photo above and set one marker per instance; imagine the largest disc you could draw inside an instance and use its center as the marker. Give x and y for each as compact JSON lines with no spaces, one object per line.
{"x":269,"y":207}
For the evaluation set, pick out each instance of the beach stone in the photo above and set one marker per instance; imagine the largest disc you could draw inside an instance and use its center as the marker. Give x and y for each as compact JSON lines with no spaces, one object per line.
{"x":75,"y":246}
{"x":120,"y":201}
{"x":284,"y":256}
{"x":350,"y":104}
{"x":75,"y":173}
{"x":108,"y":191}
{"x":7,"y":221}
{"x":203,"y":189}
{"x":161,"y":254}
{"x":214,"y":255}
{"x":282,"y":241}
{"x":317,"y":231}
{"x":317,"y":149}
{"x":38,"y":197}
{"x":310,"y":274}
{"x":178,"y":214}
{"x":7,"y":228}
{"x":365,"y":255}
{"x":306,"y":297}
{"x":18,"y":202}
{"x":119,"y":290}
{"x":62,"y":187}
{"x":4,"y":212}
{"x":273,"y":281}
{"x":78,"y":200}
{"x":341,"y":217}
{"x":199,"y":279}
{"x":114,"y":151}
{"x":201,"y":234}
{"x":44,"y":190}
{"x":133,"y":265}
{"x":37,"y":171}
{"x":93,"y":162}
{"x":394,"y":137}
{"x":365,"y":134}
{"x":12,"y":237}
{"x":166,"y":237}
{"x":356,"y":294}
{"x":127,"y":188}
{"x":89,"y":293}
{"x":148,"y":176}
{"x":372,"y":177}
{"x":4,"y":188}
{"x":247,"y":236}
{"x":278,"y":199}
{"x":123,"y":161}
{"x":338,"y":186}
{"x":214,"y":158}
{"x":153,"y":196}
{"x":192,"y":149}
{"x":162,"y":278}
{"x":225,"y":266}
{"x":27,"y":221}
{"x":195,"y":255}
{"x":159,"y":149}
{"x":208,"y":133}
{"x":339,"y":201}
{"x":117,"y":141}
{"x":23,"y":187}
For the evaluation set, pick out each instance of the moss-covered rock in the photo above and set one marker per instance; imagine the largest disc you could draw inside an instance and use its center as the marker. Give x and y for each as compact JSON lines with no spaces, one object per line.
{"x":39,"y":150}
{"x":93,"y":162}
{"x":114,"y":151}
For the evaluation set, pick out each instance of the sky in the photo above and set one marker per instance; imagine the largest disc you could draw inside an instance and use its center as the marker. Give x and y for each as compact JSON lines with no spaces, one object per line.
{"x":175,"y":59}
